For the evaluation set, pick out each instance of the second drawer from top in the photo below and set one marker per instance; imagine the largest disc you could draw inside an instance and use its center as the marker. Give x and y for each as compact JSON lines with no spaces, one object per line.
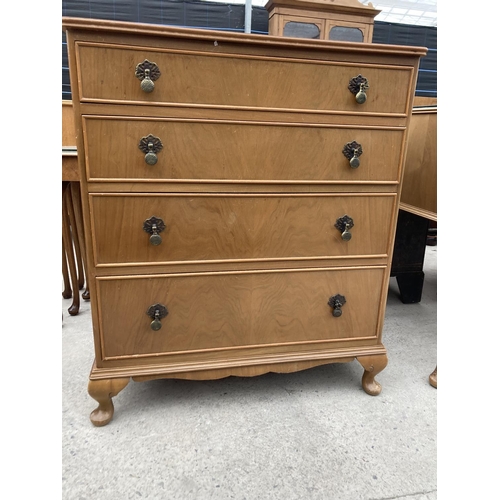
{"x":168,"y":149}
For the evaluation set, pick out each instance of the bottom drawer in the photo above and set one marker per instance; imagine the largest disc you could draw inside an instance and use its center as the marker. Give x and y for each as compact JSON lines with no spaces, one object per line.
{"x":210,"y":311}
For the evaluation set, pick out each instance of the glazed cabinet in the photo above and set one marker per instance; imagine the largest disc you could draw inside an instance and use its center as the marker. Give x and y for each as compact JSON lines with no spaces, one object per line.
{"x":240,"y":195}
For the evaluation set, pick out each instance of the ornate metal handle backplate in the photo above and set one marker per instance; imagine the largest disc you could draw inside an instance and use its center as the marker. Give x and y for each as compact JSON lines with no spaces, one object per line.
{"x":148,"y":72}
{"x":358,"y":86}
{"x":352,"y":151}
{"x":154,"y":226}
{"x":343,"y":224}
{"x":336,"y":302}
{"x":156,"y":312}
{"x":150,"y":145}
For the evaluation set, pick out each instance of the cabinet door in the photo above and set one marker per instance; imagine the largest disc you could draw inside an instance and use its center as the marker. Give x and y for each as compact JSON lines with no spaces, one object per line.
{"x":303,"y":27}
{"x":345,"y":31}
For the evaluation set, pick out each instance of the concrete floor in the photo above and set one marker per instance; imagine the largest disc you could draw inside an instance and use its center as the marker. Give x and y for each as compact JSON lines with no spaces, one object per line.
{"x":308,"y":435}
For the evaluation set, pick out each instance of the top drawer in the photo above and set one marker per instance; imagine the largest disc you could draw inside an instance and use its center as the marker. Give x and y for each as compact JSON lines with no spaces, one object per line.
{"x":189,"y":77}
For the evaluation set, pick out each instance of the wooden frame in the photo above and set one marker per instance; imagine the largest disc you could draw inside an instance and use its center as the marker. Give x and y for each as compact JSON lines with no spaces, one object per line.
{"x":342,"y":13}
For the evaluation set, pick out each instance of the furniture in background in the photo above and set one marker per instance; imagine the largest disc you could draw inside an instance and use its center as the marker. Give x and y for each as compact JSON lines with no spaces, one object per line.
{"x":419,"y":191}
{"x":418,"y":205}
{"x":73,"y":251}
{"x":236,"y":223}
{"x":342,"y":20}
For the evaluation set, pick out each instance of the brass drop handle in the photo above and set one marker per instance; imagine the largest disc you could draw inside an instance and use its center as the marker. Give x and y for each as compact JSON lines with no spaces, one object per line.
{"x":154,"y":226}
{"x":352,"y":151}
{"x":358,"y":86}
{"x":156,"y":312}
{"x":150,"y":145}
{"x":343,"y":224}
{"x":336,"y":302}
{"x":148,"y":72}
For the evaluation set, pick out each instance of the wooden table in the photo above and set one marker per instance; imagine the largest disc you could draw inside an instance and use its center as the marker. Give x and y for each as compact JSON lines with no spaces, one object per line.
{"x":70,"y":170}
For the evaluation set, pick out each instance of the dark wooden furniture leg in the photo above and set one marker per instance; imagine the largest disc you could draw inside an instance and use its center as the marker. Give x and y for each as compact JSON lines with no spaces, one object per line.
{"x":75,"y":237}
{"x":78,"y":228}
{"x":408,"y":256}
{"x":68,"y":246}
{"x":67,"y":293}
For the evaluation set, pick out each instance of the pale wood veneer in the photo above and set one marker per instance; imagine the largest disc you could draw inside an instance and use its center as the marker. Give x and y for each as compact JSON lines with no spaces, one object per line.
{"x":204,"y":227}
{"x":250,"y":182}
{"x":214,"y":149}
{"x":419,"y":192}
{"x":213,"y":311}
{"x":249,"y":80}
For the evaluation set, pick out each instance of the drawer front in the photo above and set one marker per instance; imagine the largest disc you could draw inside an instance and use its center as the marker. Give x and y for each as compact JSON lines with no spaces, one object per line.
{"x":228,"y":310}
{"x":194,"y":150}
{"x":212,"y":79}
{"x":205,"y":227}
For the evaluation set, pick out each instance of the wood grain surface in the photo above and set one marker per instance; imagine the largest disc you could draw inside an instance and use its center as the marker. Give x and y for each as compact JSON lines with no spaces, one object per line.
{"x":210,"y":149}
{"x":261,"y":81}
{"x":419,"y":190}
{"x":250,"y":182}
{"x":68,"y":124}
{"x":202,"y":227}
{"x":210,"y":311}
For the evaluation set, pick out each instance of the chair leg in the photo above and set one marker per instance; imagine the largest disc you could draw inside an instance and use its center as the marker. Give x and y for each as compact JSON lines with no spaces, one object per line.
{"x":75,"y":237}
{"x":68,"y":246}
{"x":67,"y":293}
{"x":77,"y":207}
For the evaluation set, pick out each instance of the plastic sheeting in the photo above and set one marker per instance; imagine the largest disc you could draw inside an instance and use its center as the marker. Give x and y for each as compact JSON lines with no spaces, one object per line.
{"x":422,"y":36}
{"x":231,"y":17}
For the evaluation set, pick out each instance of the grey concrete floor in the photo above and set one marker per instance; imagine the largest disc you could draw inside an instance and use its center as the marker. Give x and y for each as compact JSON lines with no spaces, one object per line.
{"x":309,"y":435}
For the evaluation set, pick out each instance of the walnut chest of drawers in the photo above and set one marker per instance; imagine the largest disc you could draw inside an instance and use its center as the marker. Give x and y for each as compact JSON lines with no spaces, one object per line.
{"x":240,"y":195}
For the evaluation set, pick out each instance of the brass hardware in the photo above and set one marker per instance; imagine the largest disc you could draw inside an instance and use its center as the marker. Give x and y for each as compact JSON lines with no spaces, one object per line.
{"x":150,"y":145}
{"x":352,"y":151}
{"x":156,"y":312}
{"x":358,"y":86}
{"x":147,"y":72}
{"x":336,"y":302}
{"x":153,"y":226}
{"x":343,"y":224}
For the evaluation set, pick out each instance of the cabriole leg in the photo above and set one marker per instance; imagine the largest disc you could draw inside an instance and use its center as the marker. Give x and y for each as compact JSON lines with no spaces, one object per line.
{"x":372,"y":365}
{"x":102,"y":391}
{"x":433,"y":378}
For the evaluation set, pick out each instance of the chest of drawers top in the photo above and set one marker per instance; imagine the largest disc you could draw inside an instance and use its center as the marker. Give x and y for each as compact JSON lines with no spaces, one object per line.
{"x":212,"y":69}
